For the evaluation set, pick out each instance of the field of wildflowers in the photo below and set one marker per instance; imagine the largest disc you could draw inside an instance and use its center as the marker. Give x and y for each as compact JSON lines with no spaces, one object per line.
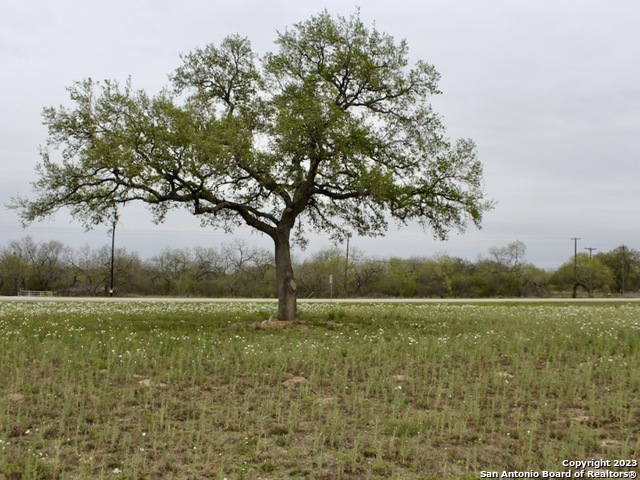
{"x":372,"y":391}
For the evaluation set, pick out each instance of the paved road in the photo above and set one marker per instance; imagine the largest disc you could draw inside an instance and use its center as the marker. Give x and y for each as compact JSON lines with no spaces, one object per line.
{"x":316,"y":300}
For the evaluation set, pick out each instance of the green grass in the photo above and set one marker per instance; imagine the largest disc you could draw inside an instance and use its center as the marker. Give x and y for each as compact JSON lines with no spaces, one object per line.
{"x":371,"y":391}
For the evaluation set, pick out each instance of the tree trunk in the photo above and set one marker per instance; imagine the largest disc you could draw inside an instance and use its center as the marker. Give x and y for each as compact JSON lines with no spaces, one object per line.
{"x":287,"y":288}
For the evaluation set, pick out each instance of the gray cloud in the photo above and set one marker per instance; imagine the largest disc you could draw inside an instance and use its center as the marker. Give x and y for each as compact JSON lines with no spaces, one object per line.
{"x":548,"y":90}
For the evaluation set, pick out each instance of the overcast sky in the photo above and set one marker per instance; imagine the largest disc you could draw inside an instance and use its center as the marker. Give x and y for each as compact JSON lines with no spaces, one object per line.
{"x":548,"y":89}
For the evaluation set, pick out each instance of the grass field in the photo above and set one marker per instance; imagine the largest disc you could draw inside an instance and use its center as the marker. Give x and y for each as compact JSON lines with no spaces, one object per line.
{"x":367,"y":391}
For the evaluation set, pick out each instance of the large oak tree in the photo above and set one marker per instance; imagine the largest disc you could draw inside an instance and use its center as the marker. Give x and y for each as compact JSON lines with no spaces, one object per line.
{"x":333,"y":132}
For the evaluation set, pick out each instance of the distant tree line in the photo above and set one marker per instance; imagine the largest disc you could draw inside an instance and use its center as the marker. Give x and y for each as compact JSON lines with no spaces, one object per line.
{"x":239,"y":270}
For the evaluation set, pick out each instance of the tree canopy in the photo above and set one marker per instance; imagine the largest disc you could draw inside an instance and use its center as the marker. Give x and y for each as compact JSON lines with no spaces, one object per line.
{"x":333,"y":132}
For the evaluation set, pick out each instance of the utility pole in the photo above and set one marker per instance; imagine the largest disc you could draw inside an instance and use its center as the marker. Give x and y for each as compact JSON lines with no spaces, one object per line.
{"x":575,"y":256}
{"x":575,"y":265}
{"x":114,"y":222}
{"x":622,"y":274}
{"x":113,"y":251}
{"x":346,"y":265}
{"x":591,"y":249}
